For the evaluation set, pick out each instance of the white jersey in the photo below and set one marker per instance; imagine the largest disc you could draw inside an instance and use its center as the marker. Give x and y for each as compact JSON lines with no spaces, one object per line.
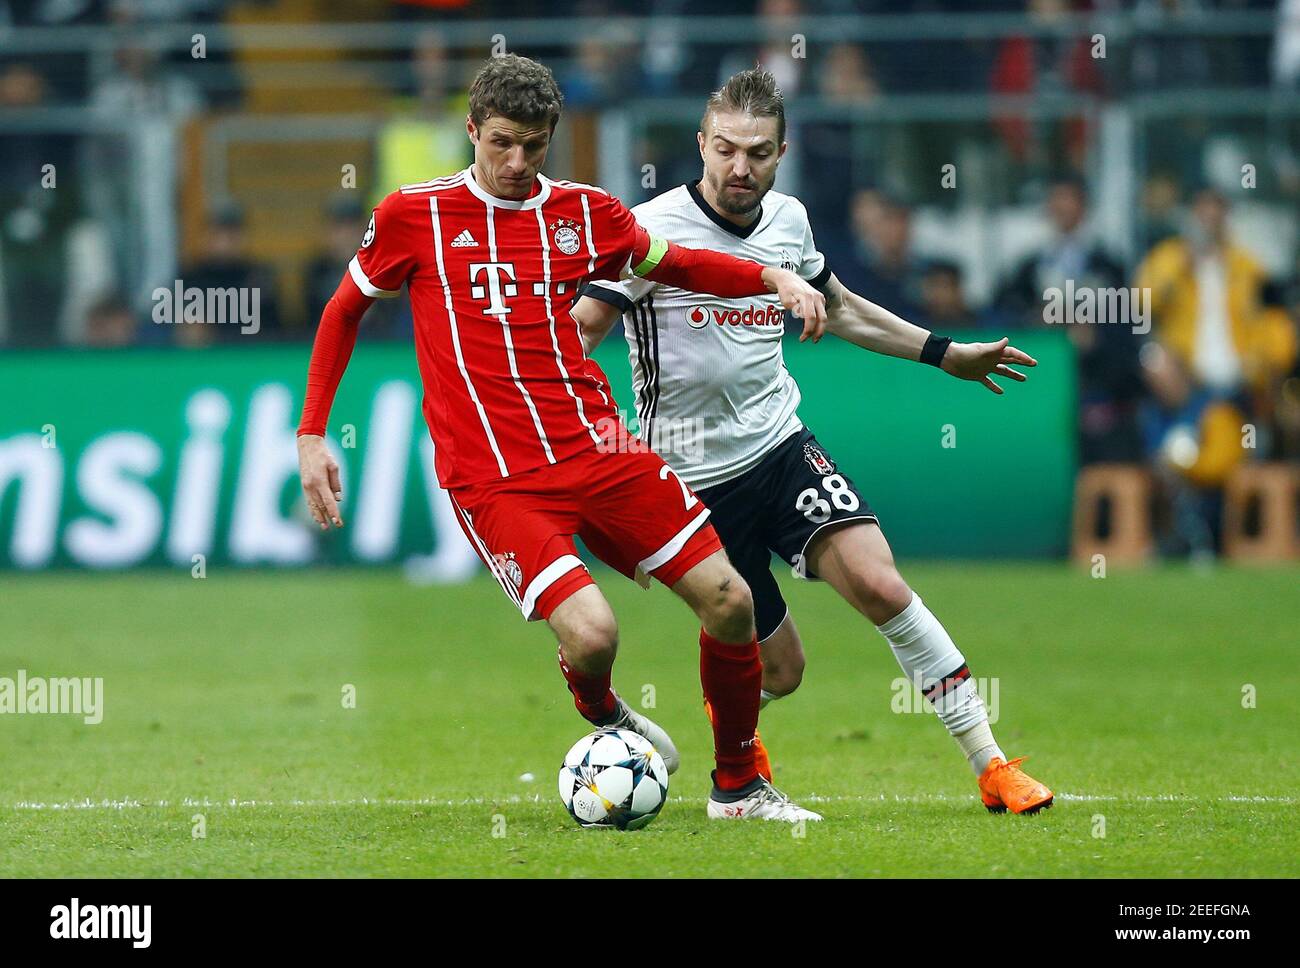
{"x":713,"y":396}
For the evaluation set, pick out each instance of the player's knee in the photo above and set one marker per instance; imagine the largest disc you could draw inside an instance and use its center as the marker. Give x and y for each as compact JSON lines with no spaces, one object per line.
{"x":591,"y":643}
{"x":731,"y":612}
{"x":783,"y":677}
{"x":881,"y":591}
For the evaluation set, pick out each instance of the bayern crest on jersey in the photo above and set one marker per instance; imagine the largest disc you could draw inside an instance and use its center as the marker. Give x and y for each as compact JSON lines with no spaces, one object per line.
{"x":817,"y":460}
{"x":565,"y":233}
{"x":509,"y":567}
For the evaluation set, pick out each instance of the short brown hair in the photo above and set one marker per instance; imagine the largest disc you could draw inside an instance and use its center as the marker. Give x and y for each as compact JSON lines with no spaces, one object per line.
{"x":751,"y":92}
{"x":516,"y":88}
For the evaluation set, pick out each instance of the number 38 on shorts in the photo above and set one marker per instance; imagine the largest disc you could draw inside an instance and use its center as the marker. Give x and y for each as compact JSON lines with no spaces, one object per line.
{"x":779,"y":506}
{"x":812,"y":494}
{"x":835,"y":493}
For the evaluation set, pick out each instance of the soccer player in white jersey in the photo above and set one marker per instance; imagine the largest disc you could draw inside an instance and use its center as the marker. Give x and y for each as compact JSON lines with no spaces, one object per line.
{"x":714,"y":398}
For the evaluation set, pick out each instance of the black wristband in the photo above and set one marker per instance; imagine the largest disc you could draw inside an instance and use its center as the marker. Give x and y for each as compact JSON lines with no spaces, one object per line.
{"x":934,"y":348}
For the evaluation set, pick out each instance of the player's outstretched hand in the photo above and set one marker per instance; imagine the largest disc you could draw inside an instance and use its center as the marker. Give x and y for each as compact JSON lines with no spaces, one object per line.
{"x":320,"y":480}
{"x":976,"y":361}
{"x":801,"y":299}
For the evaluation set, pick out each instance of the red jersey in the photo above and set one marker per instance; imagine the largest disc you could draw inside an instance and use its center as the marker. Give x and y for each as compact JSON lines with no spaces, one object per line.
{"x":508,"y":386}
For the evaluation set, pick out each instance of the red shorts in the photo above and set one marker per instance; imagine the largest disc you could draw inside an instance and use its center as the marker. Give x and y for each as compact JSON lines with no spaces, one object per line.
{"x":628,"y":508}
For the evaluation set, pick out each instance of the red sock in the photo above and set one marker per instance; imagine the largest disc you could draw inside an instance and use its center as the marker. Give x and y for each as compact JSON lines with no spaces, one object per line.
{"x":732,"y":677}
{"x":591,"y":694}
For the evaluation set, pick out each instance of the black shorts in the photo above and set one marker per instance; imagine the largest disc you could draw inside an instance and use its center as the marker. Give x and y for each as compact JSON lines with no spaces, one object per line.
{"x":778,"y":506}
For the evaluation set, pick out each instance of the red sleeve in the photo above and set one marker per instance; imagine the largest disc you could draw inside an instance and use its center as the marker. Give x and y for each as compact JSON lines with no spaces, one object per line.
{"x":614,"y":232}
{"x":387,"y":254}
{"x":700,"y":270}
{"x":335,"y":338}
{"x":623,"y":245}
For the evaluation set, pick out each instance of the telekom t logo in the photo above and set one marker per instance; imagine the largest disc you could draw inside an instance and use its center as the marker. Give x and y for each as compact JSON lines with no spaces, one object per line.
{"x":495,"y":291}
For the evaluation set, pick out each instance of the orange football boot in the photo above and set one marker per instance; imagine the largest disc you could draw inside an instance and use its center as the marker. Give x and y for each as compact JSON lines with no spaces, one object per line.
{"x":1004,"y":786}
{"x":761,"y":762}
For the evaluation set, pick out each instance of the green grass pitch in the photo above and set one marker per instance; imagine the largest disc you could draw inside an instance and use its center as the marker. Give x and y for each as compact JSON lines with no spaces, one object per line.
{"x":224,"y":711}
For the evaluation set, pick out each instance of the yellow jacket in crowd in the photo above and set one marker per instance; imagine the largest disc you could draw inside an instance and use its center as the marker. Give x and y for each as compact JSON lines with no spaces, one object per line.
{"x":1264,"y":336}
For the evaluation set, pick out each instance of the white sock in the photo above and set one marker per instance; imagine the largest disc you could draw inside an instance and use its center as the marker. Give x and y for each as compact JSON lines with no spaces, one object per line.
{"x":980,"y":747}
{"x":765,"y":697}
{"x":929,"y":659}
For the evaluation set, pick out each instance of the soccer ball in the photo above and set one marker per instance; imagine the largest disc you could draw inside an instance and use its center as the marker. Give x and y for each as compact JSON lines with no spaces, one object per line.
{"x":613,"y":778}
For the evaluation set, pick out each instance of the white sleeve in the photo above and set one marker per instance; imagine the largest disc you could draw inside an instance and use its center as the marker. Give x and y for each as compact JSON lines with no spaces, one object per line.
{"x":812,"y":266}
{"x":624,"y":294}
{"x":630,"y":288}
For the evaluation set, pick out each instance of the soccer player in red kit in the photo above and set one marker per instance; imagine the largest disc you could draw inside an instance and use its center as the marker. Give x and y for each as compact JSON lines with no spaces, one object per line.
{"x":528,"y":442}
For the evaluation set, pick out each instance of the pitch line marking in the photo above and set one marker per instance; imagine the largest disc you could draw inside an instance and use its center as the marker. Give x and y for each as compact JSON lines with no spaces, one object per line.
{"x":238,"y":804}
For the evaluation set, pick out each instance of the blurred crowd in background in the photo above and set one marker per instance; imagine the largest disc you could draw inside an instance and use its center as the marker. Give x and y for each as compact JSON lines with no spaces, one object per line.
{"x":132,"y":164}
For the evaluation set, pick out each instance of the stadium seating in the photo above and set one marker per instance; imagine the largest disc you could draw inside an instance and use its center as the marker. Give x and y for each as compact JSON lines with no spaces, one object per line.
{"x":1272,"y":492}
{"x":1127,"y":538}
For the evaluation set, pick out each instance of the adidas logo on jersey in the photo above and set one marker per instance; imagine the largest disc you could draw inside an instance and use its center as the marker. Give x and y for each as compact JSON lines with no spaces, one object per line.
{"x":464,"y":240}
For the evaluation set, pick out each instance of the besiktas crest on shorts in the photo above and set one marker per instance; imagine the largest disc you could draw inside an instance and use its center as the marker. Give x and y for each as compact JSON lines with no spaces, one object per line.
{"x":817,"y":460}
{"x":565,"y":233}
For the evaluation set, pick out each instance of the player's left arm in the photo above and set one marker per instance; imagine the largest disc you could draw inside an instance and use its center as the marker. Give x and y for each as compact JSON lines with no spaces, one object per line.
{"x":720,"y":274}
{"x":595,"y":318}
{"x":865,"y":324}
{"x":703,"y":270}
{"x":636,"y":253}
